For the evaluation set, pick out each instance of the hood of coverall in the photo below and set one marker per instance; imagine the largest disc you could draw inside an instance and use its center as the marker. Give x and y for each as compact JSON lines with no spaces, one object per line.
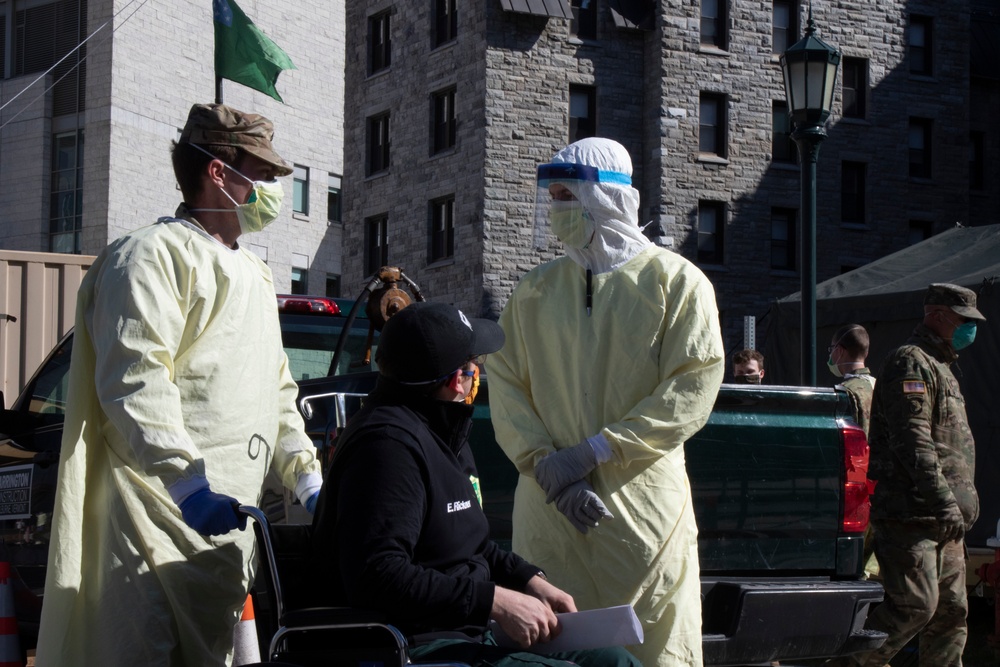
{"x":603,"y":186}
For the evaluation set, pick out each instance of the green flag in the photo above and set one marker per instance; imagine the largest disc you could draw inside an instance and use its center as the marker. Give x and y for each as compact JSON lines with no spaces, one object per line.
{"x":243,"y":53}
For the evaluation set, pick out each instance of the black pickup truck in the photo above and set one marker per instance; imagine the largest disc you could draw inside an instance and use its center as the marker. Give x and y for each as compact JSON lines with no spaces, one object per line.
{"x":778,"y":477}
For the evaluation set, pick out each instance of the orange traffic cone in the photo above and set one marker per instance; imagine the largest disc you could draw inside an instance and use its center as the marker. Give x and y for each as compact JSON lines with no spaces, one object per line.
{"x":10,"y":648}
{"x":246,"y":650}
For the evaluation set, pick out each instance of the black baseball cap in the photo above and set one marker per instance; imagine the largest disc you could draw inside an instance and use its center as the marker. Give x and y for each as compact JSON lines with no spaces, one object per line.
{"x":426,"y":341}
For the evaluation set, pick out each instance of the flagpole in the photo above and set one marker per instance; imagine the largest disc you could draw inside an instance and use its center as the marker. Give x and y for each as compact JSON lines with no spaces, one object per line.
{"x":218,"y":90}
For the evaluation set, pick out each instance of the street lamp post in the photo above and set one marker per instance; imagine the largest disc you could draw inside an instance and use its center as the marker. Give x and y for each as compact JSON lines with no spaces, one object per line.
{"x":809,"y":68}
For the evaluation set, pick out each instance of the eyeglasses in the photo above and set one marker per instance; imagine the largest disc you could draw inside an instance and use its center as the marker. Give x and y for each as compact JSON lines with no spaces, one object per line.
{"x":832,"y":348}
{"x":478,"y":360}
{"x":468,"y":374}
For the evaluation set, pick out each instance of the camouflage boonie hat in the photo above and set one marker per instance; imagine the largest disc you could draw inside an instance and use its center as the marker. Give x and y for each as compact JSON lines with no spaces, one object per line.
{"x":960,"y":299}
{"x":225,"y":126}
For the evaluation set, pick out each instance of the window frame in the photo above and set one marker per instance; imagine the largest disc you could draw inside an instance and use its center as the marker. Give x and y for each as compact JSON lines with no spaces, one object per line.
{"x":719,"y":132}
{"x":854,"y":88}
{"x":920,"y":158}
{"x":300,"y":189}
{"x":379,"y":144}
{"x":782,"y":136}
{"x":376,"y":242}
{"x":443,"y":130}
{"x":715,"y":257}
{"x":718,"y":36}
{"x":582,"y":127}
{"x":335,"y":198}
{"x":583,"y":25}
{"x":445,"y":23}
{"x":920,"y":56}
{"x":299,"y":285}
{"x":789,"y":32}
{"x":379,"y":42}
{"x":441,"y":229}
{"x":788,"y":246}
{"x":854,"y":198}
{"x":66,"y":190}
{"x":977,"y":160}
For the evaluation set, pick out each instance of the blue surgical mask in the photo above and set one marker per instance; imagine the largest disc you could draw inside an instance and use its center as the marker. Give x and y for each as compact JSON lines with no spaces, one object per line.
{"x":964,"y":335}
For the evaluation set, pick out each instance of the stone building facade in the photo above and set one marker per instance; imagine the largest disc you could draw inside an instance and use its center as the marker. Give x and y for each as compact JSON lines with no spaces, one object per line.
{"x":694,"y":91}
{"x":86,"y":160}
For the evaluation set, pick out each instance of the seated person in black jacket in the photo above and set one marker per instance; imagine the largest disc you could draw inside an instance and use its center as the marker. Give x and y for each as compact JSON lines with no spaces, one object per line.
{"x":400,"y":512}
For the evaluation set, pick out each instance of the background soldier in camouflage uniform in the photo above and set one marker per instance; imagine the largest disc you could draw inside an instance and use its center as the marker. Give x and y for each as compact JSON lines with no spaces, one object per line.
{"x":848,"y":351}
{"x":923,"y":459}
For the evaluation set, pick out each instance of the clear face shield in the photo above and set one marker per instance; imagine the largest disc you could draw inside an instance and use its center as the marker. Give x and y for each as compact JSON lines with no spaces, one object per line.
{"x":561,"y":211}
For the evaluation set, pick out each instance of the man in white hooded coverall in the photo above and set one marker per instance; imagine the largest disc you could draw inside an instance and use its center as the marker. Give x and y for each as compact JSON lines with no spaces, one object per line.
{"x":613,"y":360}
{"x":180,"y":401}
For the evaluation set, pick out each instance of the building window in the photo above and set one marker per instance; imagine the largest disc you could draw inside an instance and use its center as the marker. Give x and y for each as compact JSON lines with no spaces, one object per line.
{"x":920,"y":148}
{"x":66,"y":204}
{"x":852,"y":193}
{"x":334,"y":199}
{"x":783,"y":238}
{"x":784,"y":25}
{"x":47,"y":35}
{"x":584,"y":22}
{"x":920,"y":230}
{"x":442,"y":233}
{"x":378,"y":143}
{"x":783,"y":149}
{"x":712,"y":124}
{"x":977,"y":160}
{"x":711,"y":225}
{"x":445,"y":22}
{"x":379,"y":43}
{"x":582,"y":112}
{"x":376,"y":243}
{"x":855,"y":87}
{"x":713,"y":23}
{"x":332,"y":284}
{"x":443,"y":113}
{"x":300,"y":190}
{"x":919,"y":35}
{"x":300,"y":280}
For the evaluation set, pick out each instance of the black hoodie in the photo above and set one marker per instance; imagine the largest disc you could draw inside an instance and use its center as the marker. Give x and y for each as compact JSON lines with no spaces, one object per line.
{"x":400,"y":518}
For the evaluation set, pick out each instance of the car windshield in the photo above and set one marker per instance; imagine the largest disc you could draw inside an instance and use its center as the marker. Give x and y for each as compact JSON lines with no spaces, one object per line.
{"x":49,"y":388}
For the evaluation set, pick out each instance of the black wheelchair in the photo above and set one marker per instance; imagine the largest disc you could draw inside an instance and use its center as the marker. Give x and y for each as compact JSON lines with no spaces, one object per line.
{"x":303,"y":636}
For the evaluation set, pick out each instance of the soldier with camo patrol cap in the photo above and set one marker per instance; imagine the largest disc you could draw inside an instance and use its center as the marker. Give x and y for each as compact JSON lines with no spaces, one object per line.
{"x":923,"y":459}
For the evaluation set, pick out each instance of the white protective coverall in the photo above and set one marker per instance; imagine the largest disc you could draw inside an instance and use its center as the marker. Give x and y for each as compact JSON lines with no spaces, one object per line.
{"x":643,"y":370}
{"x":177,"y":370}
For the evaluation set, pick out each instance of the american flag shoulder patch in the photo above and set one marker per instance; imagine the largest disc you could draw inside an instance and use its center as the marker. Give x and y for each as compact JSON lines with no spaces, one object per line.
{"x":914,"y":387}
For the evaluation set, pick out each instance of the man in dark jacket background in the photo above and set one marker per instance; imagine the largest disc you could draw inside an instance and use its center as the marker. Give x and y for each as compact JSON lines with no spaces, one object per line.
{"x":923,"y":459}
{"x":401,"y":517}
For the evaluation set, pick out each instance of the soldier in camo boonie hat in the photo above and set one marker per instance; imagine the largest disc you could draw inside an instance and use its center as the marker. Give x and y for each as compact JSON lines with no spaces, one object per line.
{"x":959,"y":299}
{"x":223,"y":125}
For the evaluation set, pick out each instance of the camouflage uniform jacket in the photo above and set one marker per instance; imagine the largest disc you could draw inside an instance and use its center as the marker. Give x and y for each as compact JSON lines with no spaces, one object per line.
{"x":922,"y":451}
{"x":860,"y":386}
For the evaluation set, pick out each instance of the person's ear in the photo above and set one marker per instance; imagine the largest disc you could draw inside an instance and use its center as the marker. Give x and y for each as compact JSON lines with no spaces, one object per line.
{"x":217,"y":172}
{"x":455,"y":382}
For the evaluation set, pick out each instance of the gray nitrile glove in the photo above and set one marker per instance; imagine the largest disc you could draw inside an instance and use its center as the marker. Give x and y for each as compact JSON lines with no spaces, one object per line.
{"x":557,"y":471}
{"x":581,"y":506}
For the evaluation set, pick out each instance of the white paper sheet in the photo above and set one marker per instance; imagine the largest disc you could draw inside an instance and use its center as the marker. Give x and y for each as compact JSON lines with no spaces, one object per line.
{"x":594,"y":628}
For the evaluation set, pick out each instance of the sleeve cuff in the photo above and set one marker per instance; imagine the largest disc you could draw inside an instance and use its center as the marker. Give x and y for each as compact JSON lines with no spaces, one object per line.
{"x":184,"y":487}
{"x":307,"y":484}
{"x":601,"y":447}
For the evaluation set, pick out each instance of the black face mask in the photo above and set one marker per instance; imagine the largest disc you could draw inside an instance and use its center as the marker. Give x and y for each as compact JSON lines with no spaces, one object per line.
{"x":747,"y":379}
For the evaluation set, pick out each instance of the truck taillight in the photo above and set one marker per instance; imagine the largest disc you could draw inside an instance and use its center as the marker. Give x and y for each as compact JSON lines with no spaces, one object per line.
{"x":855,"y":503}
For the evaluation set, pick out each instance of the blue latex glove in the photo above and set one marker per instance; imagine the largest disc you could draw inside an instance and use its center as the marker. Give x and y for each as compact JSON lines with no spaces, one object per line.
{"x":582,"y":506}
{"x":310,"y":503}
{"x":557,"y":471}
{"x":212,"y":513}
